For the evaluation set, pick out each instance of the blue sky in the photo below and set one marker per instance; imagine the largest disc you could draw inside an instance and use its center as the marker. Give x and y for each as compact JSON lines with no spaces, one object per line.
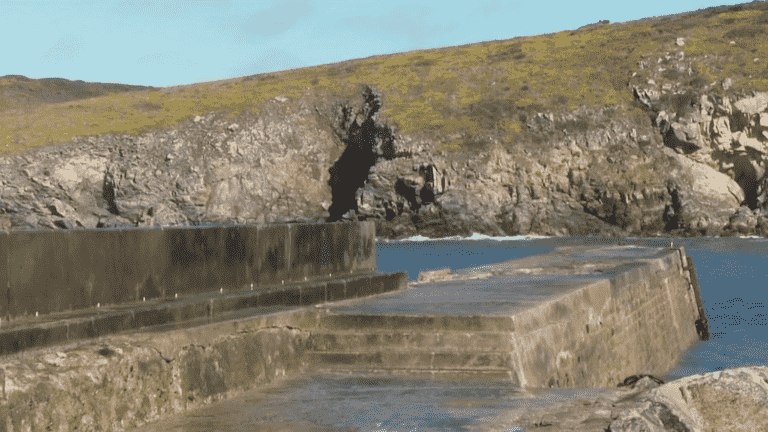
{"x":167,"y":42}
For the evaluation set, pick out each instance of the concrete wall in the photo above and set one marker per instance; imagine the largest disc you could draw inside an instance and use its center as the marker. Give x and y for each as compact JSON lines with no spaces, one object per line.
{"x":53,"y":271}
{"x":640,"y":318}
{"x":137,"y":378}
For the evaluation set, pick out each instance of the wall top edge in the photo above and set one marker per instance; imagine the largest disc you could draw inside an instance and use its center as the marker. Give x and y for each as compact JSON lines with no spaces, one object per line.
{"x":185,"y":227}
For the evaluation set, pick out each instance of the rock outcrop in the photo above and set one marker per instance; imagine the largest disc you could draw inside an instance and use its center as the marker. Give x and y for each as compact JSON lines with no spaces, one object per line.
{"x":269,"y":167}
{"x":732,"y":400}
{"x":692,"y":164}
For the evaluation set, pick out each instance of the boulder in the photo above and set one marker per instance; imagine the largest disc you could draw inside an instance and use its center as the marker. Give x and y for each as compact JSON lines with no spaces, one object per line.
{"x":740,"y":139}
{"x":764,"y":120}
{"x":744,"y":221}
{"x":646,"y":96}
{"x":710,"y":185}
{"x":729,"y":400}
{"x":684,"y":137}
{"x":721,"y":136}
{"x":753,"y":105}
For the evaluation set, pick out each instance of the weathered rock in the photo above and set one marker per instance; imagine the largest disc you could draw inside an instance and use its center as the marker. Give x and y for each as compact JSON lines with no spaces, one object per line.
{"x":592,"y":172}
{"x":722,"y":133}
{"x":753,"y":105}
{"x":744,"y":221}
{"x":133,"y":380}
{"x":732,"y":400}
{"x":685,"y":137}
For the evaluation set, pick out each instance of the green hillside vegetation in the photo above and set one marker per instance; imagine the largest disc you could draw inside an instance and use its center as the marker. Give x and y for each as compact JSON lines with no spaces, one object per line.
{"x":456,"y":96}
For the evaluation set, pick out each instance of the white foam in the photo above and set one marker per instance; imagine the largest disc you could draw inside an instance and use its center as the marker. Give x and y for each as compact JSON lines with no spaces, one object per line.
{"x":474,"y":236}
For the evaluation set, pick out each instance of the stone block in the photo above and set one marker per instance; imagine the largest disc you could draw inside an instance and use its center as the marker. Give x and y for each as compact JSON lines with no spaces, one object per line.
{"x":238,"y":255}
{"x":140,"y":264}
{"x":186,"y":270}
{"x":272,"y":255}
{"x":189,"y":311}
{"x":151,"y":317}
{"x":31,"y":337}
{"x":382,"y":283}
{"x":336,"y":290}
{"x":363,"y":247}
{"x":359,"y":287}
{"x":339,"y":237}
{"x":208,"y":259}
{"x":38,"y":269}
{"x":313,"y":294}
{"x":309,"y":256}
{"x":111,"y":324}
{"x":92,"y":273}
{"x":112,"y":266}
{"x":235,"y":303}
{"x":84,"y":329}
{"x":290,"y":296}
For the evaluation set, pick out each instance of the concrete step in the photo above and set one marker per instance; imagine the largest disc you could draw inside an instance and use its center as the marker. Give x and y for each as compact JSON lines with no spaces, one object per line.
{"x":188,"y":310}
{"x":352,"y":316}
{"x":461,"y":375}
{"x":407,"y":339}
{"x":412,"y":359}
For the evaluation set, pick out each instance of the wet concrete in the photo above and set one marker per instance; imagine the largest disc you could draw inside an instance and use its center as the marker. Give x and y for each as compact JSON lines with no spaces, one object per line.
{"x":326,"y":402}
{"x":334,"y":402}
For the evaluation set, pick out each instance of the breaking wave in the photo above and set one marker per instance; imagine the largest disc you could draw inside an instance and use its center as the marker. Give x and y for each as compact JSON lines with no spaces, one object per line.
{"x":474,"y":236}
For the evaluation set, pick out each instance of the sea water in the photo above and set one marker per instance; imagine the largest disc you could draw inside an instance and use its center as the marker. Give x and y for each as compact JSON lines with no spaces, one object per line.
{"x":732,"y":274}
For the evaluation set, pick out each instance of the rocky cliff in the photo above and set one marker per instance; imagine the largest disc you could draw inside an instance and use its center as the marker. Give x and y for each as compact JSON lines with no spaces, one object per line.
{"x":691,"y":163}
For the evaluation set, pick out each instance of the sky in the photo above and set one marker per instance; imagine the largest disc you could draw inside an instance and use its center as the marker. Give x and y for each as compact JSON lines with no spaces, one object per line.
{"x":167,"y":42}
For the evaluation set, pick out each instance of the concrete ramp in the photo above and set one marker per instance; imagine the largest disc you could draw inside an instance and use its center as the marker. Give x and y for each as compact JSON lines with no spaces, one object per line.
{"x":577,"y":317}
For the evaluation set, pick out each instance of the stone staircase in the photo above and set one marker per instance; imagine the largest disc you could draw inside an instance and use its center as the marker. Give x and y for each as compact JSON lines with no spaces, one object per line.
{"x":402,"y":344}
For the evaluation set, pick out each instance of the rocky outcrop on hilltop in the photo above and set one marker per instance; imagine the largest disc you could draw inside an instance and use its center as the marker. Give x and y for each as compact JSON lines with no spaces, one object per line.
{"x":692,"y":164}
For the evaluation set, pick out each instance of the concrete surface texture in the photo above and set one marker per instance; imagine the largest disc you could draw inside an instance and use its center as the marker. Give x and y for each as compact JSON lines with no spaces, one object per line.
{"x":187,"y":311}
{"x":56,"y":271}
{"x":601,"y":315}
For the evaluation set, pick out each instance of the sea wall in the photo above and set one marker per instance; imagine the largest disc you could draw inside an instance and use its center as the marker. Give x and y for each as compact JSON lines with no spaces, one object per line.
{"x":44,"y":272}
{"x":638,"y":317}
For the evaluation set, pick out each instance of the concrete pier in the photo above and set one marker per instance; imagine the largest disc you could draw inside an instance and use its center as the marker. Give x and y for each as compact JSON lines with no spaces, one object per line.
{"x":577,"y":317}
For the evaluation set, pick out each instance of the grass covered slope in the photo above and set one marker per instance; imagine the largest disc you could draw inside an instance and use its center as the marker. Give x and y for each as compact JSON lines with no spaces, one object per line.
{"x":456,"y":96}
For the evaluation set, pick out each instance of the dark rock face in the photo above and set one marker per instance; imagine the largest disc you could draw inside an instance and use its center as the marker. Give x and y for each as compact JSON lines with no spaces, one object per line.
{"x":365,"y":142}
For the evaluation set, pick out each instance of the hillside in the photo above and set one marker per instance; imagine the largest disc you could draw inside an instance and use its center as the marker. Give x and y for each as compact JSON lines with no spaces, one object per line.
{"x":613,"y":128}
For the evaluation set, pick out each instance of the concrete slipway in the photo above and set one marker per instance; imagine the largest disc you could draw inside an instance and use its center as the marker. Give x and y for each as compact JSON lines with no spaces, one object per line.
{"x":577,"y":317}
